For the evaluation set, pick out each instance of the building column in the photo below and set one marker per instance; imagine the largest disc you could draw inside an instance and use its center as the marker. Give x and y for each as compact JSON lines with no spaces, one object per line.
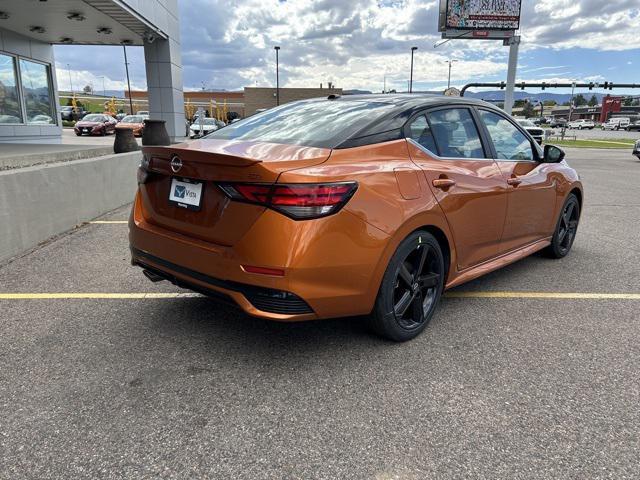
{"x":164,"y":83}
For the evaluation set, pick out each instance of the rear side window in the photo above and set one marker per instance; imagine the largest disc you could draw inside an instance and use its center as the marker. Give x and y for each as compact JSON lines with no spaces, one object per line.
{"x":312,"y":123}
{"x":420,"y":132}
{"x":455,"y":133}
{"x":509,"y":142}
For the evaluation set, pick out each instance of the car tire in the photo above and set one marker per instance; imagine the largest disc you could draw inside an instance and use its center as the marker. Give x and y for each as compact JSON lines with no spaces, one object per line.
{"x":566,"y":229}
{"x":411,"y":288}
{"x":78,"y":134}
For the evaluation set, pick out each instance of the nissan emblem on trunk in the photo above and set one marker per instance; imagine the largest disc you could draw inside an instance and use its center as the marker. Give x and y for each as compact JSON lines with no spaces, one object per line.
{"x":176,"y":164}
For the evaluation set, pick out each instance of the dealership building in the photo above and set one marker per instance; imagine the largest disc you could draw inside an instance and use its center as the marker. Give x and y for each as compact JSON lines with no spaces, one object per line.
{"x":245,"y":102}
{"x":29,"y":29}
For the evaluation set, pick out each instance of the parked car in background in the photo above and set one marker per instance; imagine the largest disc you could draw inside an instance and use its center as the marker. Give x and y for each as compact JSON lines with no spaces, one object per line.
{"x":41,"y":120}
{"x":134,"y":122}
{"x":558,"y":123}
{"x":95,"y":124}
{"x":616,"y":123}
{"x":633,"y":126}
{"x":357,"y":205}
{"x":143,"y":112}
{"x":120,"y":116}
{"x":535,"y":131}
{"x":204,"y":126}
{"x":70,"y":114}
{"x":581,"y":124}
{"x":636,"y":149}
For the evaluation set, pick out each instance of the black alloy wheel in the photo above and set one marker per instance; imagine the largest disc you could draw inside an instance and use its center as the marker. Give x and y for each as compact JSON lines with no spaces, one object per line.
{"x":566,"y":228}
{"x":411,"y":288}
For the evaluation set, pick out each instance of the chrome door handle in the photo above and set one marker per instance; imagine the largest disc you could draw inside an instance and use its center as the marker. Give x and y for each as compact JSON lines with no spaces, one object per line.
{"x":443,"y":183}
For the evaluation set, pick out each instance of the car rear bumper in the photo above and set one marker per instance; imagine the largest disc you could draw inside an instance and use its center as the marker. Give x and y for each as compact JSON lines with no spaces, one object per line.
{"x":329,"y":264}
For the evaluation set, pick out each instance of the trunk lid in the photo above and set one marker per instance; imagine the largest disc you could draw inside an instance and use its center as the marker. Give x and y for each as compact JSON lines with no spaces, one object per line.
{"x":210,"y":161}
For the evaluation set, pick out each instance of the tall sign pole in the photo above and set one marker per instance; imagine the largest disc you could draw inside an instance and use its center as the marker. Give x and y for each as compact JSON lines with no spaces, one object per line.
{"x":277,"y":49}
{"x":126,"y":67}
{"x":513,"y":43}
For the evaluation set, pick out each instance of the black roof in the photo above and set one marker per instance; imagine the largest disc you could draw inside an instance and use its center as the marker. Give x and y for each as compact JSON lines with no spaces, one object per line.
{"x":390,"y":126}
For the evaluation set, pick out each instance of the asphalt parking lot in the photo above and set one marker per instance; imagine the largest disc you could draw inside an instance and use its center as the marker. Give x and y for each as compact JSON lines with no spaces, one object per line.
{"x":511,"y":387}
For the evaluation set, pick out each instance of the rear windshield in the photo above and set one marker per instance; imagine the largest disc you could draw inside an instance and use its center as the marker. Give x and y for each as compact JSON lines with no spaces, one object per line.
{"x":313,"y":123}
{"x":133,"y":119}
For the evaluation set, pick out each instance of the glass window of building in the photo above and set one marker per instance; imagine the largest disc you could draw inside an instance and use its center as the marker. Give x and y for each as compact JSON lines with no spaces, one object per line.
{"x":10,"y":111}
{"x":37,"y":92}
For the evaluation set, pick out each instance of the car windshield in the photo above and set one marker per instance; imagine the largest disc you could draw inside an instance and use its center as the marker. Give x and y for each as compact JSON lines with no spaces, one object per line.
{"x":526,"y":123}
{"x":312,"y":123}
{"x":94,"y":118}
{"x":133,"y":119}
{"x":205,"y":121}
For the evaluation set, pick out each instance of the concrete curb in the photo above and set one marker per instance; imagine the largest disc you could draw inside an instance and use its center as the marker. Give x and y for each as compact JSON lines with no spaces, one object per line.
{"x":42,"y":201}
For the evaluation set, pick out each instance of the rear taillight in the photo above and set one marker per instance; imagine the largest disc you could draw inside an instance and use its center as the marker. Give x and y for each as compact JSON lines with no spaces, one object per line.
{"x":299,"y":201}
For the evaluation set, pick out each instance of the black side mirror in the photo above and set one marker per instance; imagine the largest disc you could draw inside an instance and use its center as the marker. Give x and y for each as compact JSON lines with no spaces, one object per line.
{"x":553,"y":154}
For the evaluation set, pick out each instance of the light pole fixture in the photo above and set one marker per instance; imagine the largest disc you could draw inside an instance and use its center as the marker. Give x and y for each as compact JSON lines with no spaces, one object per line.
{"x":413,"y":49}
{"x":70,"y":82}
{"x":126,"y":68}
{"x":449,"y":78}
{"x":277,"y":49}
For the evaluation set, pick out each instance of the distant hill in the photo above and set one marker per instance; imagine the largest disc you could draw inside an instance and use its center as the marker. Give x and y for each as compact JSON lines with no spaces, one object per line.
{"x":560,"y":98}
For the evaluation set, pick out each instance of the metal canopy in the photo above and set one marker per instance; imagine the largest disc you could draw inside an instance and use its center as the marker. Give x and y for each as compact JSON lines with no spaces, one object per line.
{"x":76,"y":21}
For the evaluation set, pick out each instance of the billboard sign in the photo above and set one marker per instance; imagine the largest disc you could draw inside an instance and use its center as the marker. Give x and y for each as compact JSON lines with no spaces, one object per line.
{"x":486,"y":15}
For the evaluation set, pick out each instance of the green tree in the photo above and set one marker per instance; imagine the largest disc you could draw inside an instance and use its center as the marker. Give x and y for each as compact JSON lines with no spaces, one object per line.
{"x":628,"y":101}
{"x":519,"y":103}
{"x":549,"y":103}
{"x":593,"y":101}
{"x":579,"y":100}
{"x":528,"y":110}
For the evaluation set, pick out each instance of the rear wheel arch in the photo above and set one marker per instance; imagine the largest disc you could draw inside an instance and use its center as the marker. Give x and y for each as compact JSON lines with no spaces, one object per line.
{"x":578,"y":193}
{"x":444,"y":243}
{"x":430,"y":224}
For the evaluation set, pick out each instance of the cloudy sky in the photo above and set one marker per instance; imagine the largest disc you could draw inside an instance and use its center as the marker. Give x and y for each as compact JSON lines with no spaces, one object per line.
{"x":356,"y":44}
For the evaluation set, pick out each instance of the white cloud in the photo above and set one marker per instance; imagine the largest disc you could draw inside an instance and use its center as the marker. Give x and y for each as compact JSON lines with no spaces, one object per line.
{"x":356,"y":43}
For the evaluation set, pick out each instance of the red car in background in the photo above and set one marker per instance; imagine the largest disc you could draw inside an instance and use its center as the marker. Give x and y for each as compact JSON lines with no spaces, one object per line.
{"x":96,"y":124}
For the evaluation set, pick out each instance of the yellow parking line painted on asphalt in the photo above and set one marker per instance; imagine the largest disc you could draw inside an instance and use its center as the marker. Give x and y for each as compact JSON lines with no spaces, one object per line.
{"x":546,"y":295}
{"x":109,"y":221}
{"x":92,"y":296}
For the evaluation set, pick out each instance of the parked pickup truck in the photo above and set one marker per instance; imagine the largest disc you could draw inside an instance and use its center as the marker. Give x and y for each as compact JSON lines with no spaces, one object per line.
{"x":580,"y":124}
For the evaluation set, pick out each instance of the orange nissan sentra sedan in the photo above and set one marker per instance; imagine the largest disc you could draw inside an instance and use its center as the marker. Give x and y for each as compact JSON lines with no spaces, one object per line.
{"x":355,"y":205}
{"x":134,"y":122}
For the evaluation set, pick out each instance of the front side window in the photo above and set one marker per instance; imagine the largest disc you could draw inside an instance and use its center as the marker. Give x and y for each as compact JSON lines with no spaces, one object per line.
{"x":37,"y":93}
{"x":455,"y":133}
{"x":509,"y":142}
{"x":420,"y":131}
{"x":9,"y":101}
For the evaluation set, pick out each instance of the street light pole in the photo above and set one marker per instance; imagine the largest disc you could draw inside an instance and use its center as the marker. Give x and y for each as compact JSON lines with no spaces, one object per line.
{"x":104,"y":91}
{"x":277,"y":49}
{"x":70,"y":82}
{"x":126,"y":67}
{"x":449,"y":79}
{"x":413,"y":49}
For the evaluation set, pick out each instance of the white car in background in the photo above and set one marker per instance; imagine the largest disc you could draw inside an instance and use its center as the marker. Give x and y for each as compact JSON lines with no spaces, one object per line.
{"x":619,"y":123}
{"x":204,"y":126}
{"x":534,"y":130}
{"x":581,"y":124}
